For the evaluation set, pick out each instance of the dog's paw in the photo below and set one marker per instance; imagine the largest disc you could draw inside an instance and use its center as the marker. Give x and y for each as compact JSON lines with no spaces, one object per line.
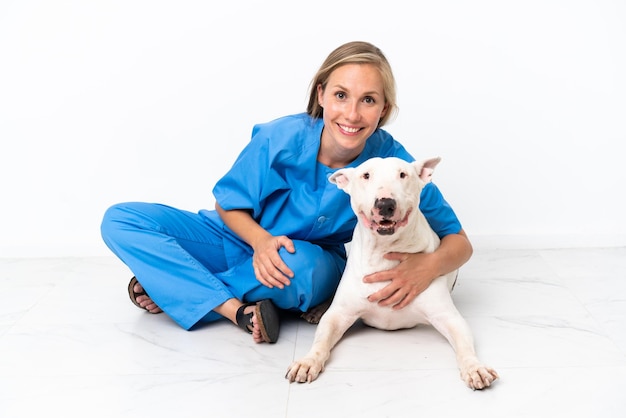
{"x":304,"y":370}
{"x":479,"y":376}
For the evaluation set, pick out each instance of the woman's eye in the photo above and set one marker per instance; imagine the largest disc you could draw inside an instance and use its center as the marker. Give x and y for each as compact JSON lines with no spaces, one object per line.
{"x":369,"y":100}
{"x":340,"y":95}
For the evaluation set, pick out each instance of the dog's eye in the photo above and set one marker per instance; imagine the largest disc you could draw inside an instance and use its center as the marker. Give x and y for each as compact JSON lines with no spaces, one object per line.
{"x":366,"y":176}
{"x":403,"y":175}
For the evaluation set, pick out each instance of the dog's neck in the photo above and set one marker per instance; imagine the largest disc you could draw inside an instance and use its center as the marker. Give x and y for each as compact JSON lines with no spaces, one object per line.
{"x":416,"y":237}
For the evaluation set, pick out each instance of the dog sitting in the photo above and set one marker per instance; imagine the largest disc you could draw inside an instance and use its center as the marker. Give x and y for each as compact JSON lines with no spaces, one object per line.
{"x":385,"y":194}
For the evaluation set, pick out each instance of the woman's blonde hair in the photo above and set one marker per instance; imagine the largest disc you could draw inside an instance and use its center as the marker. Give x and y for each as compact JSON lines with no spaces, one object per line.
{"x":357,"y":52}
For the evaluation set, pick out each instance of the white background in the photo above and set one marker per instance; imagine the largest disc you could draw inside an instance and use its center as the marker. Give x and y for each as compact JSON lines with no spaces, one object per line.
{"x":109,"y":101}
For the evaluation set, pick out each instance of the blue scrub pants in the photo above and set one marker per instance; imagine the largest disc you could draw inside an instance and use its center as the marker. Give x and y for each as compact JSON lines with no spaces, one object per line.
{"x":179,"y":258}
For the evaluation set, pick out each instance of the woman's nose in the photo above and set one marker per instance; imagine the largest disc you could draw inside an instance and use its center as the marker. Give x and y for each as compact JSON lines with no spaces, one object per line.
{"x":352,"y":111}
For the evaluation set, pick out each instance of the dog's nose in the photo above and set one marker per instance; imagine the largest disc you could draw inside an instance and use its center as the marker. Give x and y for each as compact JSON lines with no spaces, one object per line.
{"x":386,"y":206}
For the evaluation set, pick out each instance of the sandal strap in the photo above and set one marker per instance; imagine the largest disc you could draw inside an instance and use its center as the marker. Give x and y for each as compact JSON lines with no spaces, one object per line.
{"x":245,"y":320}
{"x":132,"y":294}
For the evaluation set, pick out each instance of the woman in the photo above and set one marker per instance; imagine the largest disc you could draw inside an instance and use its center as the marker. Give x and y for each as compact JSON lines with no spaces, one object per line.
{"x":276,"y":237}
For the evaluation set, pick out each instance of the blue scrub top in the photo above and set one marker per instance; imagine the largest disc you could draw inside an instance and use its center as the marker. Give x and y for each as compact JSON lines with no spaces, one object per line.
{"x":278,"y":179}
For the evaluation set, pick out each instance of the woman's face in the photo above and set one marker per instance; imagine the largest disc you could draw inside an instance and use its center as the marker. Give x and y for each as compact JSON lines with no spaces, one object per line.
{"x":353,"y":102}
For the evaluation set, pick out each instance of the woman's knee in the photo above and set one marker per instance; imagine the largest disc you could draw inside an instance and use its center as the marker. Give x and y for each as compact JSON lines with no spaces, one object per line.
{"x":121,"y":218}
{"x":112,"y":218}
{"x":317,"y":272}
{"x":304,"y":258}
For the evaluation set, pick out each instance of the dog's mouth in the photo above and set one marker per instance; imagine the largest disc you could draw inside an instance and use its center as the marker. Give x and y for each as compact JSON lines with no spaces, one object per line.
{"x":385,"y":226}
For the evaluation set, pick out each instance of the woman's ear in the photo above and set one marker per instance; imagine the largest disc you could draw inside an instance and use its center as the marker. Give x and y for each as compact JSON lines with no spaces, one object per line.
{"x":320,"y":95}
{"x":385,"y":109}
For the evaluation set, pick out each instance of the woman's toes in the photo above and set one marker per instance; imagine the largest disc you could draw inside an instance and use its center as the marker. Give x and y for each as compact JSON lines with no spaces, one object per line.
{"x":138,"y":288}
{"x":148,"y":304}
{"x":256,"y":332}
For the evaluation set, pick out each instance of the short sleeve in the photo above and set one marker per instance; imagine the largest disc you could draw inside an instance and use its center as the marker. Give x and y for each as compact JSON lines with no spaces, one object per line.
{"x":438,"y":212}
{"x":242,"y":186}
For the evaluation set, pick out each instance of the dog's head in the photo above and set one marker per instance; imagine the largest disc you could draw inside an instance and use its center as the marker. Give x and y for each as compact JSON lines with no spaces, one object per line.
{"x":385,"y":191}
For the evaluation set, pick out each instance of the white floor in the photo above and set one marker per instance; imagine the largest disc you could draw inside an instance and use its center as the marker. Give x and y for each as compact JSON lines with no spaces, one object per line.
{"x":552,"y":323}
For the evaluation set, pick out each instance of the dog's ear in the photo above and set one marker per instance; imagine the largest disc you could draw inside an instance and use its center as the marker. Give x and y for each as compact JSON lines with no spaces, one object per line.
{"x":426,"y":168}
{"x":341,"y":177}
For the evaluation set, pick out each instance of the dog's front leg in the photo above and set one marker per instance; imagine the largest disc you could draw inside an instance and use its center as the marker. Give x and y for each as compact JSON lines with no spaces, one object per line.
{"x":453,"y":326}
{"x":331,"y":328}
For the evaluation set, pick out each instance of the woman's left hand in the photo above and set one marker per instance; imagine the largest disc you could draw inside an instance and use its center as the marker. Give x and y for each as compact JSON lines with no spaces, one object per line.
{"x":407,"y":280}
{"x":415,"y":272}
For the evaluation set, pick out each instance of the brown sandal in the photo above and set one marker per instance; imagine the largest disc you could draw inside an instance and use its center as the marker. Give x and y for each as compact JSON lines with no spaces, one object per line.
{"x":133,"y":295}
{"x":267,"y":317}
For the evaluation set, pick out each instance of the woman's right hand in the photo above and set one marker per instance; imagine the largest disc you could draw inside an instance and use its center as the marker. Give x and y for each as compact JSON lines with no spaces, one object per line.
{"x":269,"y":267}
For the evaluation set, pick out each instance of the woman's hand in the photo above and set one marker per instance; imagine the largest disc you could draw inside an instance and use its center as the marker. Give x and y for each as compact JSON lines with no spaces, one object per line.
{"x":407,"y":280}
{"x":269,"y":267}
{"x":415,"y":272}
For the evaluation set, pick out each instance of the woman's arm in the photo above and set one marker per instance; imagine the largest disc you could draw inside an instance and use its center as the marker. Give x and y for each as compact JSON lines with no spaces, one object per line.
{"x":416,"y":271}
{"x":269,"y":268}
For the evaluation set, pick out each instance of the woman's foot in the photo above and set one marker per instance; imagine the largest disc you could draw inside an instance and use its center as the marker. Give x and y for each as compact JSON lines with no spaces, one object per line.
{"x":140,"y":298}
{"x":254,"y":326}
{"x":261,"y":319}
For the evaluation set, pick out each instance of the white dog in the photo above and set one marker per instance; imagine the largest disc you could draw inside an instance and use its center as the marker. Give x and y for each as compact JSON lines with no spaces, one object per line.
{"x":385,"y":194}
